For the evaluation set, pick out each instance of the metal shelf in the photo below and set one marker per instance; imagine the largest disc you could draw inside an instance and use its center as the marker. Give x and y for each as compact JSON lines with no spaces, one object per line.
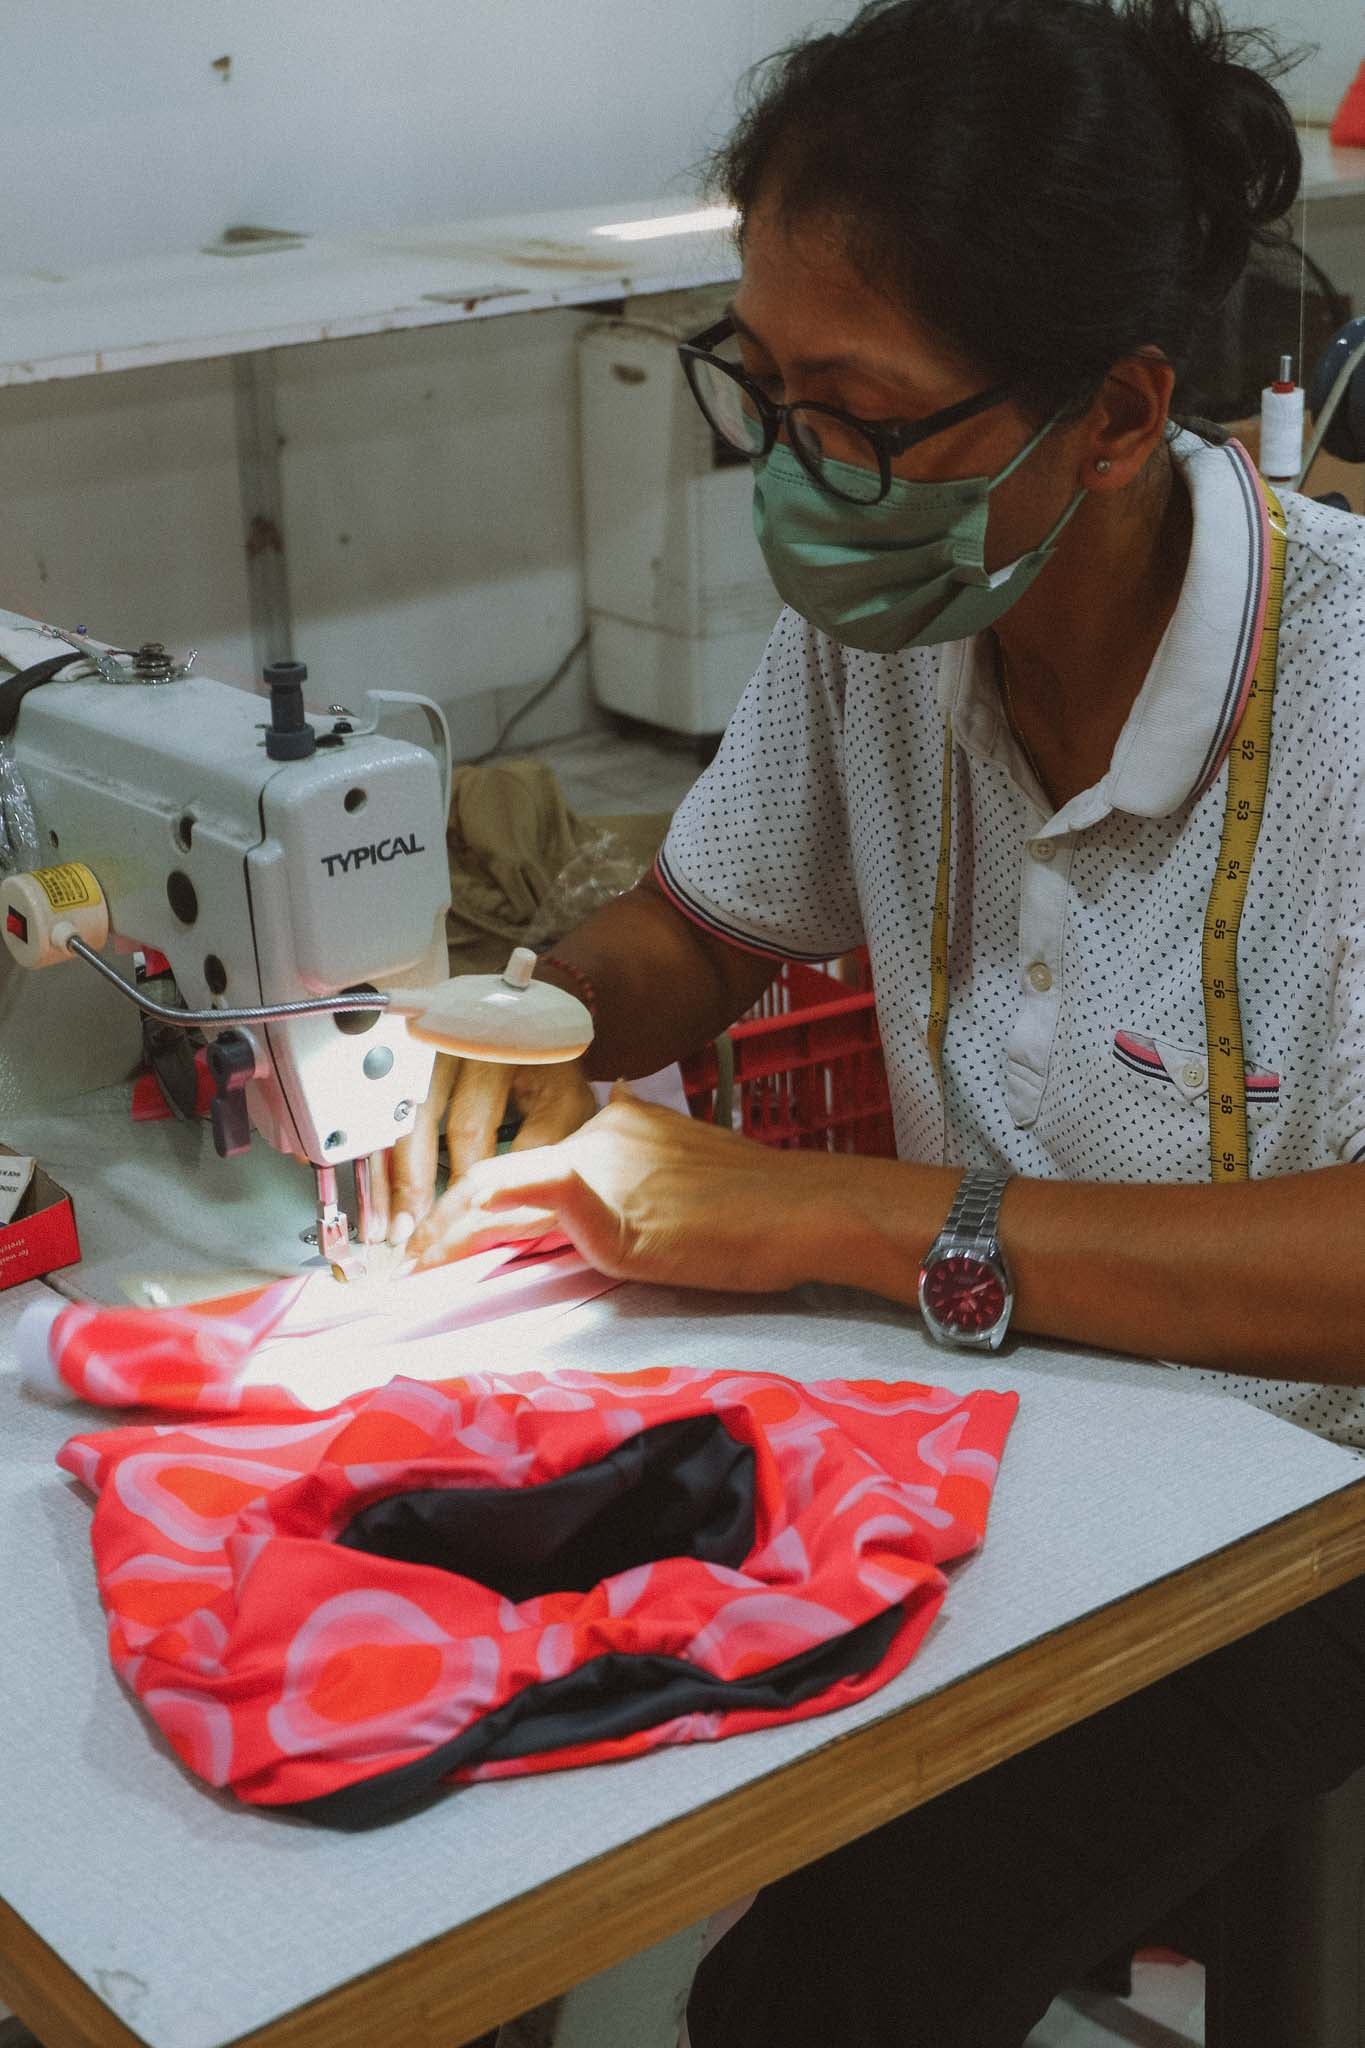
{"x":184,"y":308}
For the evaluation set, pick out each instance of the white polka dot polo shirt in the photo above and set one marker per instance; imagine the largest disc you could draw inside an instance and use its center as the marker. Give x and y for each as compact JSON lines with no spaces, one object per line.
{"x":1075,"y":1045}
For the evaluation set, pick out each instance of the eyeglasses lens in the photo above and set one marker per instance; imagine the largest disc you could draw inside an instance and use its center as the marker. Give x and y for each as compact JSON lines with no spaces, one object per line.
{"x":728,"y":406}
{"x":837,"y":452}
{"x":833,"y":449}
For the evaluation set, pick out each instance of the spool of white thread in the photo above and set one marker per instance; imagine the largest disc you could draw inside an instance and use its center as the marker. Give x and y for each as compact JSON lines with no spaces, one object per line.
{"x":33,"y":1348}
{"x":42,"y":910}
{"x":1282,"y":426}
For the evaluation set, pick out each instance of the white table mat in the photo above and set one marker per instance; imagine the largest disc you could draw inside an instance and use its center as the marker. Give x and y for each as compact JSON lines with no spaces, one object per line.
{"x":198,"y":1920}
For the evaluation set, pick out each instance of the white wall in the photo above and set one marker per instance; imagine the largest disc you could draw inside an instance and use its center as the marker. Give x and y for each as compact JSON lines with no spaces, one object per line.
{"x":430,"y":479}
{"x":121,"y":137}
{"x":432,"y":513}
{"x":1333,"y":30}
{"x":446,"y":458}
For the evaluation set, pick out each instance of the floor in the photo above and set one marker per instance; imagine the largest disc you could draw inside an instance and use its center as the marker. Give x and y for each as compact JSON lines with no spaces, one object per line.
{"x":1165,"y":2011}
{"x":602,"y":773}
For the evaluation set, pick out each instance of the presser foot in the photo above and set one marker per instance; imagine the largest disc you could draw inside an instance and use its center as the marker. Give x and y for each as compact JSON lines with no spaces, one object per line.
{"x":345,"y":1258}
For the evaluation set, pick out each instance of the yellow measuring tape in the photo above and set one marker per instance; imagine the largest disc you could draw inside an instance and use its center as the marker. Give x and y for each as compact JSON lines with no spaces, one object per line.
{"x":1248,"y":770}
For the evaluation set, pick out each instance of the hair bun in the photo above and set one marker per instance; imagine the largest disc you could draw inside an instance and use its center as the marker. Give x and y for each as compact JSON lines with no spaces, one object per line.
{"x":1241,"y":147}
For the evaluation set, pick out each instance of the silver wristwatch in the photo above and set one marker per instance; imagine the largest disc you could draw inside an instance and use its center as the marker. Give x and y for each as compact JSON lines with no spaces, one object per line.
{"x":965,"y":1290}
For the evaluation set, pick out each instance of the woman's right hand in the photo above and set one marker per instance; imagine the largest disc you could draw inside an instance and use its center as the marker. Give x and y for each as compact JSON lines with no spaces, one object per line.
{"x":470,"y":1100}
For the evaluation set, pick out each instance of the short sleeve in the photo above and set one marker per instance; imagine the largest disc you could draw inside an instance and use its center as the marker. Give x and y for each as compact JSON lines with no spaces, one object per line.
{"x":759,"y":851}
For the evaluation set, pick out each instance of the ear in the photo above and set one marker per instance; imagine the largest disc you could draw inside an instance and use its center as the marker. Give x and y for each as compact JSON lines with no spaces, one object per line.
{"x":1126,"y":421}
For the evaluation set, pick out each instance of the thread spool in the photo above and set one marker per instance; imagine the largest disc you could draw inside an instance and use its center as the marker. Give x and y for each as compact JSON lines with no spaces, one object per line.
{"x":40,"y":911}
{"x":34,"y":1350}
{"x":1282,"y":427}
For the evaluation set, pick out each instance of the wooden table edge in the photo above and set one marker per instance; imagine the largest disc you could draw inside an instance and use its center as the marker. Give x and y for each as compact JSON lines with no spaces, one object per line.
{"x":456,"y":1986}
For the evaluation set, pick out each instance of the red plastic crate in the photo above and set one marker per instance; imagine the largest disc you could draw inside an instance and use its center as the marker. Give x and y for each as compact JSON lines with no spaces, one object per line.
{"x":809,"y":1073}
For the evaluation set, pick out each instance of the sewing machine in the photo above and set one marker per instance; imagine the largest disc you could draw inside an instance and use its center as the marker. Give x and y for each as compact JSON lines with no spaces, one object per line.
{"x":289,"y":870}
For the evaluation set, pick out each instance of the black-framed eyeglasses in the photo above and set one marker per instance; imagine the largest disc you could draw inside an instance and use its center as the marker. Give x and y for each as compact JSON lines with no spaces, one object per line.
{"x":832,"y":446}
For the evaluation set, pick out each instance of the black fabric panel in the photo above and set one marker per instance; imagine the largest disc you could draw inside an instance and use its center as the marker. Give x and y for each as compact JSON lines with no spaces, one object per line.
{"x":681,"y":1489}
{"x":607,"y":1697}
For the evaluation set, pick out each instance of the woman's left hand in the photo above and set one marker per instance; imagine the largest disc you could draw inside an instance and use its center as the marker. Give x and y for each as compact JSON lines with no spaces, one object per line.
{"x":645,"y":1193}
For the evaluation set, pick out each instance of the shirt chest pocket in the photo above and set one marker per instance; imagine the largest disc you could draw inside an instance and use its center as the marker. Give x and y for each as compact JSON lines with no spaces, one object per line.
{"x":1181,"y":1072}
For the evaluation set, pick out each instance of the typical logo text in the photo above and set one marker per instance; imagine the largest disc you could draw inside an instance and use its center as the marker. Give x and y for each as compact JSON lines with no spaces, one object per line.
{"x":367,"y":856}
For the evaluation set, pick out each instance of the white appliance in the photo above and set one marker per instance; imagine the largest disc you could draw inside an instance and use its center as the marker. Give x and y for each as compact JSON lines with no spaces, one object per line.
{"x":679,"y":600}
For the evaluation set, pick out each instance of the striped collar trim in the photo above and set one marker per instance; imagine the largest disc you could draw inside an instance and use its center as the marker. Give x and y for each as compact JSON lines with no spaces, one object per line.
{"x":1177,"y":734}
{"x":1252,"y":626}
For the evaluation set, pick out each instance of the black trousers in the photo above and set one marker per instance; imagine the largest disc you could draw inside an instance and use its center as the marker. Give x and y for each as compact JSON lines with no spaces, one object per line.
{"x":956,"y":1926}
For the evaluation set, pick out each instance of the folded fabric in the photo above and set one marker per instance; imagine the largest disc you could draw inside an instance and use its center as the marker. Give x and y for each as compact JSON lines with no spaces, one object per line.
{"x":297,"y":1345}
{"x":436,"y":1582}
{"x":524,"y":868}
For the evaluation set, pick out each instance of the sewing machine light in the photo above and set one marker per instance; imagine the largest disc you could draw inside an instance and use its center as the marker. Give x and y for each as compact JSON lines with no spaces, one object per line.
{"x":52,"y":914}
{"x":509,"y":1017}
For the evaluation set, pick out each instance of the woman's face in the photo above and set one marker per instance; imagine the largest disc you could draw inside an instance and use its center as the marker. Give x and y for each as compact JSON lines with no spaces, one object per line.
{"x":811,"y":327}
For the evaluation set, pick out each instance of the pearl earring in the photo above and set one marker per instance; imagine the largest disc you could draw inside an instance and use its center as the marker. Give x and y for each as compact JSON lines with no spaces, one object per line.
{"x":1102,"y":466}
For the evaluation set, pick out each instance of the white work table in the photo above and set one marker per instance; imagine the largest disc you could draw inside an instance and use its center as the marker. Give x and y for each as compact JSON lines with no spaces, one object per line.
{"x":1139,"y":1521}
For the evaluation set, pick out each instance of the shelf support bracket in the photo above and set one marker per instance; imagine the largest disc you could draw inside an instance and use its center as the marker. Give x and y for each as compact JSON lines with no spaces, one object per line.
{"x":258,"y":469}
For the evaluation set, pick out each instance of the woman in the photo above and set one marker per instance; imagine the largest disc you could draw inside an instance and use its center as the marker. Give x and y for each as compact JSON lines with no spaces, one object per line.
{"x":1021,"y":211}
{"x":978,"y":239}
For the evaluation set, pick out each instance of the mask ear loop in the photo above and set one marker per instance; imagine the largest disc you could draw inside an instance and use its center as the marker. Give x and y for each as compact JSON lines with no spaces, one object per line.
{"x":1008,"y":471}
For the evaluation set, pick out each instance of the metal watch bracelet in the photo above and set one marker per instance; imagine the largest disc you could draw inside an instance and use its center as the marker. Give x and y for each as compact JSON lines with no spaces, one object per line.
{"x":976,"y":1207}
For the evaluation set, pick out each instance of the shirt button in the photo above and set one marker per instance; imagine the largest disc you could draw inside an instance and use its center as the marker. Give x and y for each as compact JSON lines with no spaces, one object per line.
{"x":1043,"y":849}
{"x":1040,"y":977}
{"x":1192,"y":1074}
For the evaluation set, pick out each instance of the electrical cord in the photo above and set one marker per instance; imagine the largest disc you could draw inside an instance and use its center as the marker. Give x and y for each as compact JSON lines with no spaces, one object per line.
{"x":260,"y":1013}
{"x":525,"y":710}
{"x":15,"y":688}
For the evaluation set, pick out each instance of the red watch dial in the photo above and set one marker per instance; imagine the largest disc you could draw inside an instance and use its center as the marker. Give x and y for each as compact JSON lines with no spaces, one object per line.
{"x":964,"y":1293}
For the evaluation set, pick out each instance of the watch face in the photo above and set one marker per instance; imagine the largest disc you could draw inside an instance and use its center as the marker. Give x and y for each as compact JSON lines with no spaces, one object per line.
{"x":964,"y":1293}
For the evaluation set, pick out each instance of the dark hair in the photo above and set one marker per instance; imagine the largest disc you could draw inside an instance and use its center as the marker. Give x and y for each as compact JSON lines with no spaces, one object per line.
{"x":1048,"y":184}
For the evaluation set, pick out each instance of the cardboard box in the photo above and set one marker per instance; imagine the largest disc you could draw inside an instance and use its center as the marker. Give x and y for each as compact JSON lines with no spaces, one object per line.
{"x":42,"y":1236}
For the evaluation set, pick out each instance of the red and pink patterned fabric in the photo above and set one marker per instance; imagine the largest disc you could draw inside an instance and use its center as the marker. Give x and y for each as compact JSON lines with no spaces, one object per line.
{"x":431,"y":1582}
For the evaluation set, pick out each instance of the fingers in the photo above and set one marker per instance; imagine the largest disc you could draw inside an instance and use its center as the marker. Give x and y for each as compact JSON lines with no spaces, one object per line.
{"x":516,"y":1197}
{"x":591,"y":1225}
{"x":454,"y":1230}
{"x":378,"y":1221}
{"x":462,"y":1221}
{"x":555,"y":1102}
{"x":478,"y":1104}
{"x":412,"y":1171}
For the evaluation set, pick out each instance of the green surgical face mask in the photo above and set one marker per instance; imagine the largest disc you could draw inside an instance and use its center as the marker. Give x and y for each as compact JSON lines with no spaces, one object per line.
{"x":906,"y":572}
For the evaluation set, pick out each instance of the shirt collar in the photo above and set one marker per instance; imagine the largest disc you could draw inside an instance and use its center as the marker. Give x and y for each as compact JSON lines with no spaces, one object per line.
{"x":1175,"y":737}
